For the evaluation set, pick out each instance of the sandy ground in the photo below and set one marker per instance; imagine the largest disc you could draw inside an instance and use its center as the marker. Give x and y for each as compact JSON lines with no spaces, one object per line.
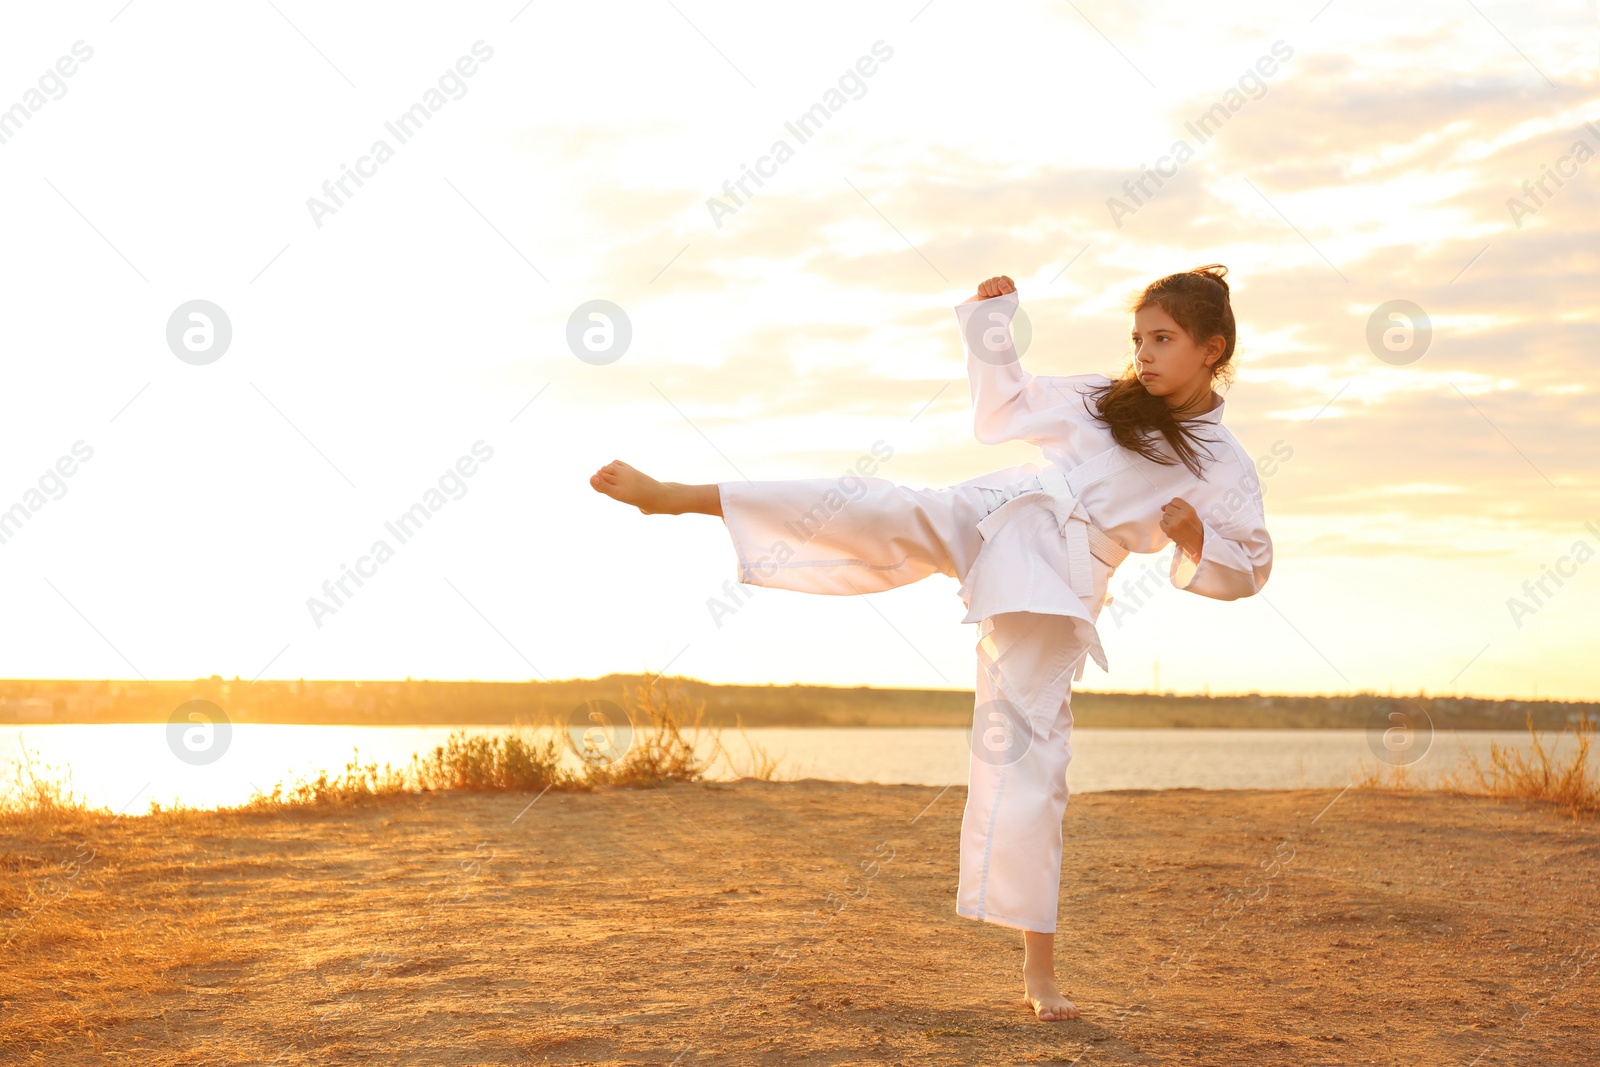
{"x":805,"y":923}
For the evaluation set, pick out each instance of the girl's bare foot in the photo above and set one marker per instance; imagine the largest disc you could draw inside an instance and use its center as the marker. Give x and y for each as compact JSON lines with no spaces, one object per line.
{"x":1044,"y":997}
{"x":621,"y":482}
{"x":1039,"y":976}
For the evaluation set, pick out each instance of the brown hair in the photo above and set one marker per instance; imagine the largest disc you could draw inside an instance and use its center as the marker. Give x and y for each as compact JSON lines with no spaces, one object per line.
{"x":1198,"y":301}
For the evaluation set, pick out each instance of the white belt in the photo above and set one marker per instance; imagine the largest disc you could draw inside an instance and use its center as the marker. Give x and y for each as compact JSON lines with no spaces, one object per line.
{"x":1051,"y":489}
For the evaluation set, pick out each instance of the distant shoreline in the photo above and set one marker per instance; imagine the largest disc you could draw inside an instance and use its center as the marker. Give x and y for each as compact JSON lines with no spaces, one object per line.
{"x":37,"y":702}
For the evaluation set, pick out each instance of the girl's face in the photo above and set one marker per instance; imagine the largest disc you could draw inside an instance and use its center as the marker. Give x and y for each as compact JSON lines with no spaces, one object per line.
{"x":1167,"y":359}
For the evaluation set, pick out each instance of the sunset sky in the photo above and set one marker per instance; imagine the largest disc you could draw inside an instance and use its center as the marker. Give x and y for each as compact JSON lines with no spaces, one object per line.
{"x":1392,"y":153}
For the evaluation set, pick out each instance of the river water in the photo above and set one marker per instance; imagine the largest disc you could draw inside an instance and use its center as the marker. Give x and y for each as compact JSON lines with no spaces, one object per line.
{"x":123,"y":767}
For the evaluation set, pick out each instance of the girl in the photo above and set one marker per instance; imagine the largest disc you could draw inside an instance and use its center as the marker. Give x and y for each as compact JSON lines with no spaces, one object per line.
{"x":1034,"y":549}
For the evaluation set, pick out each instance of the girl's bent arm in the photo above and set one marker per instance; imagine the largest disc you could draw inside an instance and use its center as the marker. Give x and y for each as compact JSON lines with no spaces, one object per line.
{"x":1229,"y":567}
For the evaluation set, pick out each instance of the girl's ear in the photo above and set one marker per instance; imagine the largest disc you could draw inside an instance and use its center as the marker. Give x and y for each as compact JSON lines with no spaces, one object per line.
{"x":1214,"y":349}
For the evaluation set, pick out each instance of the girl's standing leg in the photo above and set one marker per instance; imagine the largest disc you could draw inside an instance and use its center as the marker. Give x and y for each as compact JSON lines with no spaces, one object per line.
{"x":1011,"y":838}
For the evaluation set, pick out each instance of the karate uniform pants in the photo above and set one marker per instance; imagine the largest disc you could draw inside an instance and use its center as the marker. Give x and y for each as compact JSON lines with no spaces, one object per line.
{"x":818,"y":535}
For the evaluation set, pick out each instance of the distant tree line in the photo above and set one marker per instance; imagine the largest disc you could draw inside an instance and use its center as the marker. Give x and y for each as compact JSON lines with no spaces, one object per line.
{"x":411,"y":702}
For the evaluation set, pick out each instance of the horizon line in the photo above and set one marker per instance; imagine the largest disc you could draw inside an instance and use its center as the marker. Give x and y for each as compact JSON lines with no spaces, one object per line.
{"x":1420,"y":694}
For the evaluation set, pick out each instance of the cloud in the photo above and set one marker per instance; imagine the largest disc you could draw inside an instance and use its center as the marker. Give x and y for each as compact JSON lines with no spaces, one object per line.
{"x":1392,"y":166}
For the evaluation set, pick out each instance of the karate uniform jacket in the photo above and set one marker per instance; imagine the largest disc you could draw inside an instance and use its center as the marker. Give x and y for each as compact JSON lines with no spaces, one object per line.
{"x":1035,"y":559}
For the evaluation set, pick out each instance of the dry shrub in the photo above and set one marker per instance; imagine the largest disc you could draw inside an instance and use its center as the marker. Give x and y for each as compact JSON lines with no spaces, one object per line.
{"x":660,"y":747}
{"x":356,"y":783}
{"x":1572,"y":785}
{"x":662,"y":753}
{"x":658,"y":753}
{"x":508,"y":762}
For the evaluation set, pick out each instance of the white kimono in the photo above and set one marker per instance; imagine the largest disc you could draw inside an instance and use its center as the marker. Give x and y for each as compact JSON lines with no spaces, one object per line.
{"x":1034,"y":548}
{"x":1121,"y":491}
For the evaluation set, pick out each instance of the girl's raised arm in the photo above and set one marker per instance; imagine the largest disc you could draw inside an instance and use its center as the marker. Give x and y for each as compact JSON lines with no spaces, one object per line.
{"x":1008,"y":403}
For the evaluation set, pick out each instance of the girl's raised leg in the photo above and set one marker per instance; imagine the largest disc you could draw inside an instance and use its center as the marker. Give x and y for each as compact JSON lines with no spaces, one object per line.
{"x":631,"y":486}
{"x":842,"y":535}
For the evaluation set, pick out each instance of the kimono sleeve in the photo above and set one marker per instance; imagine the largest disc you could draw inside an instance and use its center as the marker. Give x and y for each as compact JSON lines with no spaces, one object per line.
{"x":1008,"y":403}
{"x":1231,"y":566}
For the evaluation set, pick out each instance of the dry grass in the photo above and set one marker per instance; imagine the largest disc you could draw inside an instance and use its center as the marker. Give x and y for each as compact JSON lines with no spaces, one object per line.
{"x":663,"y":731}
{"x":664,"y":754}
{"x":30,"y":790}
{"x":660,"y":746}
{"x":1570,"y":784}
{"x":507,"y":762}
{"x":60,"y":871}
